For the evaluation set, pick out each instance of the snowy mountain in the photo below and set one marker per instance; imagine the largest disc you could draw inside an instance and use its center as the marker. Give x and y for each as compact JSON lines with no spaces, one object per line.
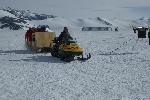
{"x":18,"y":19}
{"x":145,"y":20}
{"x":28,"y":15}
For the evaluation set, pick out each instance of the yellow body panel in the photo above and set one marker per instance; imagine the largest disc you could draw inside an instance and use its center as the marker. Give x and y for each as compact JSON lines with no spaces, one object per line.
{"x":72,"y":47}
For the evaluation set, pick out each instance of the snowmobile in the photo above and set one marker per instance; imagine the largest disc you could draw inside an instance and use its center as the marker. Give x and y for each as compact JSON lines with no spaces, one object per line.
{"x":68,"y":50}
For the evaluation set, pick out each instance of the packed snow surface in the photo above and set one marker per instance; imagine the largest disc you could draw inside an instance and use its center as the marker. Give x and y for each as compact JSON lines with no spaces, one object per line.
{"x":119,"y":68}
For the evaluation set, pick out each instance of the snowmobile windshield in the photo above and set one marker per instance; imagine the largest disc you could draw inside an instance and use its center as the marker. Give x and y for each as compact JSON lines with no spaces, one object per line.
{"x":71,"y":41}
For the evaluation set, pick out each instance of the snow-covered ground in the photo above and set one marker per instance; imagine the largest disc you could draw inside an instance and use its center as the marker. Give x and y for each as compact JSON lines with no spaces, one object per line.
{"x":118,"y":70}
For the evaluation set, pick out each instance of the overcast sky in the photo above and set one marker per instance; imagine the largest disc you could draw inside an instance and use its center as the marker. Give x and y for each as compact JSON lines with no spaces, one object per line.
{"x":78,"y":7}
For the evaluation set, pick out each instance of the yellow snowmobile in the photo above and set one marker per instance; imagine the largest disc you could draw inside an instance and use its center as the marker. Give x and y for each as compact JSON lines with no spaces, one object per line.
{"x":68,"y":50}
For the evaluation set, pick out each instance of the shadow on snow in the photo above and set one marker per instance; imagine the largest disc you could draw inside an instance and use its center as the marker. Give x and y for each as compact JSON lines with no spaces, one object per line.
{"x":17,"y":51}
{"x":32,"y":58}
{"x":48,"y":59}
{"x":108,"y":54}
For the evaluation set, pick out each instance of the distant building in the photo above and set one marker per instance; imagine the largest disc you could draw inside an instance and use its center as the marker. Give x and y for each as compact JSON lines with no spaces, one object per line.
{"x":96,"y":28}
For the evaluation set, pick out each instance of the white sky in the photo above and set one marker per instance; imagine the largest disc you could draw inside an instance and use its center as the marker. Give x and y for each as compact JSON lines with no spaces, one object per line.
{"x":79,"y":8}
